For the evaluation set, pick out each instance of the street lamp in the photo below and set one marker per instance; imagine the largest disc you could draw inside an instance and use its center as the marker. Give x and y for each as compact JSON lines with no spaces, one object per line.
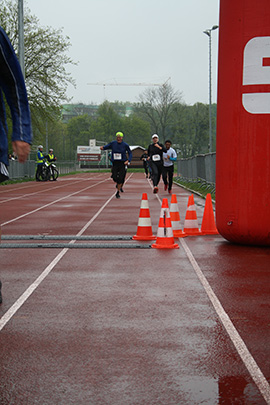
{"x":208,"y":33}
{"x":46,"y":67}
{"x":21,"y":36}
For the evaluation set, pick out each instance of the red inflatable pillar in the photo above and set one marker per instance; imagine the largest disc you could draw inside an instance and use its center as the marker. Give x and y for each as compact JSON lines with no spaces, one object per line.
{"x":243,"y":122}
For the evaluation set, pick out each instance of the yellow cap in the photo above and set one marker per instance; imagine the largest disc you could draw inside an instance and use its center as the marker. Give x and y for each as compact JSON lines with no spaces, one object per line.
{"x":120,"y":134}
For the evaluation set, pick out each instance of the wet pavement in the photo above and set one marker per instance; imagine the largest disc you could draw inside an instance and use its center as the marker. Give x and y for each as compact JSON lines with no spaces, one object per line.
{"x":132,"y":325}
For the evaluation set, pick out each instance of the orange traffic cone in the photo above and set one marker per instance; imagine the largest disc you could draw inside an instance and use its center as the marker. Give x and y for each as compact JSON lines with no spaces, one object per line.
{"x":165,"y":238}
{"x":175,"y":218}
{"x":191,"y":226}
{"x":144,"y":230}
{"x":208,"y":223}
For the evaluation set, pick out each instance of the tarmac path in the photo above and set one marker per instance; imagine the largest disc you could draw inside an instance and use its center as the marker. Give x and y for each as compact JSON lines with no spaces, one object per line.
{"x":97,"y":318}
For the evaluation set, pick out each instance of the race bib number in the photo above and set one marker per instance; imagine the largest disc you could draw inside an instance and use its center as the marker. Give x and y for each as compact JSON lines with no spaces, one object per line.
{"x":117,"y":156}
{"x":156,"y":158}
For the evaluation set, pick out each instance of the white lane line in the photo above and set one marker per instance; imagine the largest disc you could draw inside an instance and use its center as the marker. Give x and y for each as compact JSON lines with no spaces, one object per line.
{"x":44,"y":190}
{"x":21,"y":300}
{"x":51,"y":203}
{"x":236,"y":339}
{"x":18,"y":187}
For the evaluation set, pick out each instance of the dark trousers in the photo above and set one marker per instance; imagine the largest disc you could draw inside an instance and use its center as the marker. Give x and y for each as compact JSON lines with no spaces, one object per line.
{"x":156,"y":172}
{"x":39,"y":171}
{"x":118,"y":172}
{"x":145,"y":166}
{"x":167,"y":175}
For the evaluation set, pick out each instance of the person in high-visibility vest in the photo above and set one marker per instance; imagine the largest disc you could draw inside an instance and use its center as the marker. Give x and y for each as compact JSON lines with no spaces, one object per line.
{"x":40,"y":160}
{"x":51,"y":158}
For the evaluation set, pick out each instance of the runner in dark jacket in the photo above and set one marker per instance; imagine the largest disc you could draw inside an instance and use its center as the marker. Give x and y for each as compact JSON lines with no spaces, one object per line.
{"x":12,"y":84}
{"x":119,"y":160}
{"x":155,"y":158}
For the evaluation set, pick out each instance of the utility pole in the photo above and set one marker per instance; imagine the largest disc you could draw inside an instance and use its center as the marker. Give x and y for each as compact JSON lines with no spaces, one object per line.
{"x":21,"y":36}
{"x":208,"y":33}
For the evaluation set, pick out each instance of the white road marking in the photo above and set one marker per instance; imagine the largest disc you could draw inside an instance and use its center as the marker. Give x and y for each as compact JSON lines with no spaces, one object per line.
{"x":236,"y":339}
{"x":21,"y":300}
{"x":51,"y":203}
{"x":40,"y":191}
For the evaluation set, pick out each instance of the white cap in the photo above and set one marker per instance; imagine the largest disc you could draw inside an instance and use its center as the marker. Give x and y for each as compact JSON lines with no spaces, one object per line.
{"x":154,"y":136}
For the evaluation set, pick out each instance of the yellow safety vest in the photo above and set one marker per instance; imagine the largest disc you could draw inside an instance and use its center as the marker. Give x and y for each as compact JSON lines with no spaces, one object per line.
{"x":51,"y":157}
{"x":40,"y":160}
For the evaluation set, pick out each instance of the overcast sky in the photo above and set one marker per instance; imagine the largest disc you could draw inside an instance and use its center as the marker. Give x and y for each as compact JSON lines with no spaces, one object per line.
{"x":135,"y":41}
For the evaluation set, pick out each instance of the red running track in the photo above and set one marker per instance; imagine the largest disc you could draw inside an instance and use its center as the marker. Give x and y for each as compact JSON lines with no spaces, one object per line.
{"x":127,"y":325}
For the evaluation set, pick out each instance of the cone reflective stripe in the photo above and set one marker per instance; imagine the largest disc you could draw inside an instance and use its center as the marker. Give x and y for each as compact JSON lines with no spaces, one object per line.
{"x":191,"y":226}
{"x":165,"y":239}
{"x":144,"y":229}
{"x":208,"y":223}
{"x":175,"y":218}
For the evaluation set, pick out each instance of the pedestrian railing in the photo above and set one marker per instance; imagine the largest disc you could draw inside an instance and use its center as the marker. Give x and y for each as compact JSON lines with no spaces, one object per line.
{"x":201,"y":167}
{"x":28,"y":169}
{"x":21,"y":170}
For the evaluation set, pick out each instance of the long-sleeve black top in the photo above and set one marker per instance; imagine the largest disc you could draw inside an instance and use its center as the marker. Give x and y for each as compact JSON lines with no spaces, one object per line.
{"x":156,"y":154}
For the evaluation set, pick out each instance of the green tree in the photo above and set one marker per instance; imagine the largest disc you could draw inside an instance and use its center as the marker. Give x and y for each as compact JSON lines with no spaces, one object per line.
{"x":199,"y":123}
{"x":157,"y":106}
{"x":46,"y":58}
{"x":136,"y":130}
{"x":190,"y":128}
{"x":78,"y":133}
{"x":58,"y":139}
{"x":109,"y":120}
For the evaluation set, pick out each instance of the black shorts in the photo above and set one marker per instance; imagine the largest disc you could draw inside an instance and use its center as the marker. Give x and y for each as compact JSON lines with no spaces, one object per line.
{"x":118,"y":171}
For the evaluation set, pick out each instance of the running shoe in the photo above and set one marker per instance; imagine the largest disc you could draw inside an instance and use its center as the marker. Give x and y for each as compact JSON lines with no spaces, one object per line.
{"x":169,"y":191}
{"x":117,"y":195}
{"x":165,"y":187}
{"x":155,"y":191}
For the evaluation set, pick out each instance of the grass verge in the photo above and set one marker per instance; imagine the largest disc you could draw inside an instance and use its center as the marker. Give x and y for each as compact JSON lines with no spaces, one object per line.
{"x":197,"y":186}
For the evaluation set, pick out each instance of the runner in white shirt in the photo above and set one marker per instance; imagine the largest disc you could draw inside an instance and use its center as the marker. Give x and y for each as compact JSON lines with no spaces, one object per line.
{"x":169,"y":157}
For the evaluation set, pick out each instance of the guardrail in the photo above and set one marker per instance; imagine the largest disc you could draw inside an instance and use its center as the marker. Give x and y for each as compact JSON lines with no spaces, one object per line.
{"x":28,"y":169}
{"x":198,"y":167}
{"x":21,"y":170}
{"x":201,"y":167}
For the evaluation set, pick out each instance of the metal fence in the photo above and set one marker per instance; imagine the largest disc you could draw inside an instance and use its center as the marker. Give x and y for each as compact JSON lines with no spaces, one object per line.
{"x":198,"y":167}
{"x":21,"y":170}
{"x":28,"y":169}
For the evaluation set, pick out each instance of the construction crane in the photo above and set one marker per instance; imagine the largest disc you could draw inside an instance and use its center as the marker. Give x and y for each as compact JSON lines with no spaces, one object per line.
{"x":127,"y":84}
{"x":124,"y":84}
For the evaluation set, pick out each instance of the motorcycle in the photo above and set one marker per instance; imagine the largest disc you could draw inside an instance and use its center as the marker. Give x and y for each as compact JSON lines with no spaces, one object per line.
{"x":49,"y":171}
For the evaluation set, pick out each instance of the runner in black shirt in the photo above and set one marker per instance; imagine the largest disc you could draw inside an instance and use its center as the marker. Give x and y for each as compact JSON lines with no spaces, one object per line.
{"x":155,"y":158}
